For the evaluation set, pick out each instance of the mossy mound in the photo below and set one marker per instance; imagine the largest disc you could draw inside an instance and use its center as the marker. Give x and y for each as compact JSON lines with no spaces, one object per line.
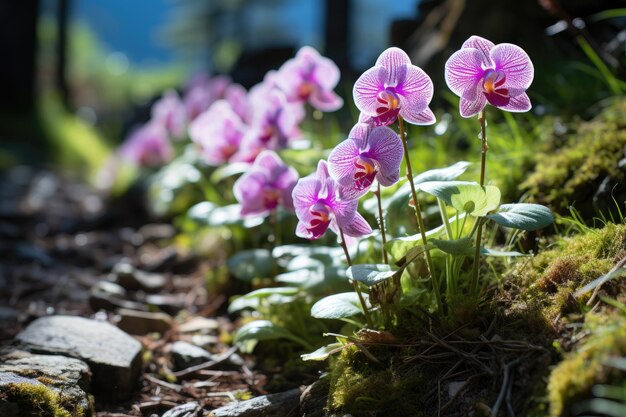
{"x":31,"y":399}
{"x":547,"y":284}
{"x":573,"y":380}
{"x":363,"y":388}
{"x":584,"y":167}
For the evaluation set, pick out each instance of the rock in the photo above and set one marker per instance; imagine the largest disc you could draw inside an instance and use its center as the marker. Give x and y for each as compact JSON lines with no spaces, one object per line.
{"x":169,"y":303}
{"x":157,"y":231}
{"x":101,"y":299}
{"x":185,"y":355}
{"x":314,"y":398}
{"x":199,"y":325}
{"x":132,"y":278}
{"x":143,"y":322}
{"x":274,"y":405}
{"x":184,"y":410}
{"x":32,"y":383}
{"x":113,"y":356}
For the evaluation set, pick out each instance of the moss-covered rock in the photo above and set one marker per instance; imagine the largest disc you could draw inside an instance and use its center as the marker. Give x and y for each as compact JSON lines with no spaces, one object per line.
{"x":548,"y":282}
{"x":363,"y":388}
{"x":572,"y":380}
{"x":584,"y":167}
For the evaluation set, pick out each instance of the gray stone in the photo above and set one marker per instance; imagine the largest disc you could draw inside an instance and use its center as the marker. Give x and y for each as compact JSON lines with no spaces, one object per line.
{"x":113,"y":356}
{"x":184,"y":410}
{"x":314,"y":398}
{"x":68,"y":378}
{"x":274,"y":405}
{"x":143,"y":322}
{"x":185,"y":355}
{"x":132,"y":278}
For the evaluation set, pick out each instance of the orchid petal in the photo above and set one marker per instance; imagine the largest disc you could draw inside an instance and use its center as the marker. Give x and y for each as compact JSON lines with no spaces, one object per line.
{"x":483,"y":45}
{"x":463,"y":73}
{"x":360,"y":131}
{"x":358,"y":227}
{"x":514,"y":62}
{"x":469,"y":108}
{"x":325,"y":73}
{"x":387,"y":149}
{"x":326,"y":101}
{"x":426,"y":117}
{"x":341,"y":162}
{"x":305,"y":194}
{"x":518,"y":104}
{"x":345,"y":211}
{"x":367,"y":87}
{"x":395,"y":61}
{"x":248,"y":190}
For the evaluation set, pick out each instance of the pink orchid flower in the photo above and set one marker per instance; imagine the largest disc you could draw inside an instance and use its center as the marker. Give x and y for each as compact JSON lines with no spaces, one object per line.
{"x":267,"y":185}
{"x":318,"y":207}
{"x":148,"y":146}
{"x":395,"y":87}
{"x":481,"y":72}
{"x":369,"y":153}
{"x":170,"y":111}
{"x":310,"y":77}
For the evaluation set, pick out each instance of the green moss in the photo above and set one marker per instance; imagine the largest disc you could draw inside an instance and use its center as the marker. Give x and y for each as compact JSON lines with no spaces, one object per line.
{"x":37,"y":400}
{"x":548,"y":282}
{"x":362,"y":388}
{"x":571,"y":168}
{"x":573,"y":378}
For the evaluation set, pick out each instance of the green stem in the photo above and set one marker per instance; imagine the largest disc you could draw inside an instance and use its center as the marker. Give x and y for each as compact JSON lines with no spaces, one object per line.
{"x":479,"y":234}
{"x":368,"y":318}
{"x":381,"y":223}
{"x":450,"y":285}
{"x":418,"y":216}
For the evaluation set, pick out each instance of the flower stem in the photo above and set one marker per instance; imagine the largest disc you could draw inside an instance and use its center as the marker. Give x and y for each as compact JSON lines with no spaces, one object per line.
{"x":418,"y":216}
{"x":479,"y":233}
{"x":450,"y":284}
{"x":381,"y":222}
{"x":368,"y":318}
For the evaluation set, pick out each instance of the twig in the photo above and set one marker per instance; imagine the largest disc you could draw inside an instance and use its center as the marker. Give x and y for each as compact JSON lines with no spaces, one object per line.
{"x":205,"y":365}
{"x":505,"y":385}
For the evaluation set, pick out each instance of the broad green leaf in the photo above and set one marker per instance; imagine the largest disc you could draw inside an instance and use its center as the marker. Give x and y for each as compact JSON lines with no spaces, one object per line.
{"x":466,"y":197}
{"x":323,"y":353}
{"x":523,"y":216}
{"x":260,"y":330}
{"x":266,"y":292}
{"x":440,"y":174}
{"x":399,"y":247}
{"x":250,"y":264}
{"x":499,"y":253}
{"x":370,"y":274}
{"x":231,"y":214}
{"x":463,"y":246}
{"x":229,"y":170}
{"x":241,"y":303}
{"x":338,"y":306}
{"x":201,"y":212}
{"x":300,"y":278}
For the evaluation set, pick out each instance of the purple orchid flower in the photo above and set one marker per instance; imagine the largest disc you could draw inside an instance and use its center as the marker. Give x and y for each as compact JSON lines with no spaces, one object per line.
{"x":170,"y":111}
{"x":481,"y":72}
{"x":369,"y":153}
{"x":395,"y":87}
{"x":218,"y":132}
{"x":148,"y":146}
{"x":318,"y":207}
{"x":202,"y":92}
{"x":237,"y":97}
{"x":267,"y":185}
{"x":310,"y":77}
{"x":275,"y":121}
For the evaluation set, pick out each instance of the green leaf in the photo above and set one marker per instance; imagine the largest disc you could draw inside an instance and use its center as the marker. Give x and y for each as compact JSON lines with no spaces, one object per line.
{"x":466,"y":197}
{"x":523,"y":216}
{"x":231,"y":214}
{"x":323,"y":353}
{"x":266,"y":292}
{"x":499,"y":253}
{"x":201,"y":212}
{"x":338,"y":306}
{"x":260,"y":330}
{"x":241,"y":303}
{"x":229,"y":170}
{"x":440,"y":174}
{"x":370,"y":274}
{"x":250,"y":264}
{"x":463,"y":246}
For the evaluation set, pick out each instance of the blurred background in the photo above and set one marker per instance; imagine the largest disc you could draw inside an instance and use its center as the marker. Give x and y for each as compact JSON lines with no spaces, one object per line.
{"x":78,"y":74}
